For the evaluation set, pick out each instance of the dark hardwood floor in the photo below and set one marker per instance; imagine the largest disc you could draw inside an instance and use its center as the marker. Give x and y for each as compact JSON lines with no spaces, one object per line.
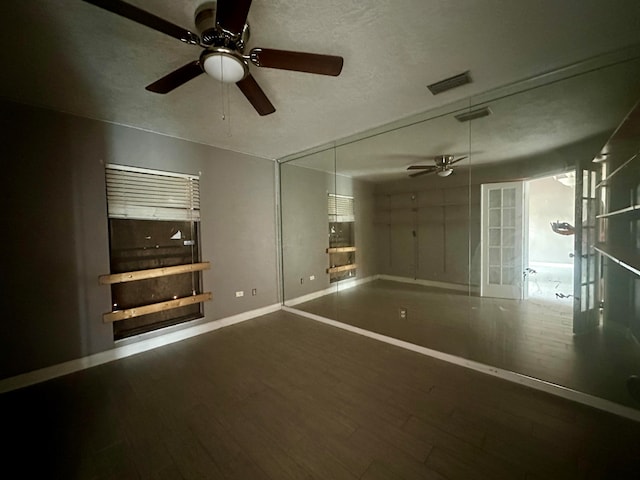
{"x":284,"y":397}
{"x":534,"y":338}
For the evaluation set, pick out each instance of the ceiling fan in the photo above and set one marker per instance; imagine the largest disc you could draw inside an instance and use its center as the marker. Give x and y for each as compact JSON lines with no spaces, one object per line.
{"x":224,"y":33}
{"x":442,"y":167}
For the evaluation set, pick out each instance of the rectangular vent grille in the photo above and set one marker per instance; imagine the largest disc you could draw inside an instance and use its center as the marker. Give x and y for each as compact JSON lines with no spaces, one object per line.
{"x":473,"y":114}
{"x":449,"y":83}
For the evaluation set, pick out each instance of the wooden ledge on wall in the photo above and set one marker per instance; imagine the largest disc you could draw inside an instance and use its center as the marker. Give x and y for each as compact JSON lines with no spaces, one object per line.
{"x":341,"y":249}
{"x":155,"y":307}
{"x":341,"y":268}
{"x":152,"y":273}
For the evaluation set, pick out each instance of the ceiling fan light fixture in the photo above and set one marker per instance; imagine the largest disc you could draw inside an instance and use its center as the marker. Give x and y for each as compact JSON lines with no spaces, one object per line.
{"x":445,"y":173}
{"x":224,"y":65}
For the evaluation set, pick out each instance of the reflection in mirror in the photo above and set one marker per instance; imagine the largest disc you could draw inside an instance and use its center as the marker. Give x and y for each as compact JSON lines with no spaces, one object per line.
{"x":489,"y":253}
{"x":305,"y":186}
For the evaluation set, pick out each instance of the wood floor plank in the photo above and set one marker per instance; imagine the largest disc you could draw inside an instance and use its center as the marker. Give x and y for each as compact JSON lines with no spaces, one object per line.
{"x":284,"y":397}
{"x":191,"y":458}
{"x":394,"y":459}
{"x":489,"y":464}
{"x":266,"y":450}
{"x":453,"y":468}
{"x":527,"y":337}
{"x":302,"y":446}
{"x":379,"y":471}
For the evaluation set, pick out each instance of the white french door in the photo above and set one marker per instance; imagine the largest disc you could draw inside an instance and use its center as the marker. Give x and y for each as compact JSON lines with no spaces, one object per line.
{"x":586,"y":312}
{"x":503,"y":245}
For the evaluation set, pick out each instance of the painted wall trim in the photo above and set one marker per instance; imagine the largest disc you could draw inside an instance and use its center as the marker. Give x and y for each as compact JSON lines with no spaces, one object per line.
{"x":54,"y":371}
{"x":558,"y":390}
{"x":343,"y":285}
{"x":430,"y":283}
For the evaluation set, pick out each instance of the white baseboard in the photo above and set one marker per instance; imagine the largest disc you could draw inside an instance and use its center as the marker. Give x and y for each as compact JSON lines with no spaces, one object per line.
{"x":558,"y":390}
{"x":431,"y":283}
{"x":341,"y":286}
{"x":47,"y":373}
{"x":350,"y":283}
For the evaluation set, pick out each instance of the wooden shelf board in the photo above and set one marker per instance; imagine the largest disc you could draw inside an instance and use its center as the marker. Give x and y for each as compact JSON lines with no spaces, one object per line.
{"x":340,"y":249}
{"x":341,"y":268}
{"x":621,"y":211}
{"x":624,"y":259}
{"x":152,"y":273}
{"x":155,"y":307}
{"x":605,"y":181}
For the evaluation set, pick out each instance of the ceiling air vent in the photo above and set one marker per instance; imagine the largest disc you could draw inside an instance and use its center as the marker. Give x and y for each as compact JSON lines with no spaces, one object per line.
{"x":449,"y":83}
{"x":473,"y":114}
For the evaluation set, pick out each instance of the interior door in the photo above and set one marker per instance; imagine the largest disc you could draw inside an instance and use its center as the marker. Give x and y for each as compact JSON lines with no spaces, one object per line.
{"x":502,"y":240}
{"x":586,"y":313}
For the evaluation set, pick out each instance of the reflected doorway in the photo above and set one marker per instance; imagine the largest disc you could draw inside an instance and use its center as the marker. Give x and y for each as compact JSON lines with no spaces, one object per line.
{"x":550,"y":270}
{"x":504,"y":250}
{"x":525,"y":256}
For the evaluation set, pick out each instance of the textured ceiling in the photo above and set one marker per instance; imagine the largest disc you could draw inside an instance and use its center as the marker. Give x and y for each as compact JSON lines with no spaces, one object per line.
{"x":72,"y":56}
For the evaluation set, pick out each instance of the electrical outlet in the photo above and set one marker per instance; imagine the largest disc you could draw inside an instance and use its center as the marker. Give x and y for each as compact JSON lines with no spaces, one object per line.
{"x":403,"y":313}
{"x":254,"y":292}
{"x":312,"y":277}
{"x":240,"y":294}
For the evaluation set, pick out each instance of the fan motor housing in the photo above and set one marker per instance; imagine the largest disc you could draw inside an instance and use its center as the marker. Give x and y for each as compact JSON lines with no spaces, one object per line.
{"x":212,"y":34}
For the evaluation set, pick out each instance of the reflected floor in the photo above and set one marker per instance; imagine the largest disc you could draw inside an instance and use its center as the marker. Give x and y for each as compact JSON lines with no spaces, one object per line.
{"x":532,"y":337}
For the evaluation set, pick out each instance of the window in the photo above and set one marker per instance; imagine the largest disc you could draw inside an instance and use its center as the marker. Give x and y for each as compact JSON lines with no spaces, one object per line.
{"x":342,"y":250}
{"x":156,"y":273}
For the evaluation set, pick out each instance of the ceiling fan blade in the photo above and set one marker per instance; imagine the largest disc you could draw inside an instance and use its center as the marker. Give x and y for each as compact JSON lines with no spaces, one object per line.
{"x":231,"y":15}
{"x":148,"y":19}
{"x":176,"y":78}
{"x":297,"y":61}
{"x":423,"y":172}
{"x":457,"y":160}
{"x":421,"y":167}
{"x":255,"y":95}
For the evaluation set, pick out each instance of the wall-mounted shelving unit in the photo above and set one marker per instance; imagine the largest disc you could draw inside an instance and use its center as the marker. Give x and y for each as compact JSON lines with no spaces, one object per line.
{"x":619,"y":224}
{"x":342,"y":249}
{"x":138,"y":275}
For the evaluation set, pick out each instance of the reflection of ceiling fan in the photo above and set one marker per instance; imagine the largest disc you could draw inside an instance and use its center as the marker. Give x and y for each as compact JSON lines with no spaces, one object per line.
{"x":224,"y":34}
{"x":442,"y":166}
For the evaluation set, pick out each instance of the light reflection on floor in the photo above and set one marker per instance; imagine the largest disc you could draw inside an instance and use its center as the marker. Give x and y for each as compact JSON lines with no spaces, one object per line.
{"x":533,"y":337}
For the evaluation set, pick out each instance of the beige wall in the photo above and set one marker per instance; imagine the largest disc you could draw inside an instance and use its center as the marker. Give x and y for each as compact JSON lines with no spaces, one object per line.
{"x":305,"y":227}
{"x":55,"y":238}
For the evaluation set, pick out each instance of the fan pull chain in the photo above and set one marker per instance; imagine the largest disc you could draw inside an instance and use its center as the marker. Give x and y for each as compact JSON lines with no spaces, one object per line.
{"x":224,"y":117}
{"x":224,"y":95}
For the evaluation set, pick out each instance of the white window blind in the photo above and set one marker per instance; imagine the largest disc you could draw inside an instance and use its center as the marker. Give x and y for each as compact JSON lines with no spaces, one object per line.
{"x":340,"y":208}
{"x":142,"y":194}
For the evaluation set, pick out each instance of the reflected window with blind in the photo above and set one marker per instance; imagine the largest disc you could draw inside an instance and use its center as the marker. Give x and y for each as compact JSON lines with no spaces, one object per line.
{"x":156,"y":272}
{"x":342,"y":246}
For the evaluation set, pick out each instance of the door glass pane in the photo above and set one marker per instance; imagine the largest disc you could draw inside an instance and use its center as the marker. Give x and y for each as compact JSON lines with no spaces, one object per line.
{"x":494,"y":275}
{"x":583,"y":298}
{"x":509,"y":237}
{"x":494,"y":218}
{"x":508,"y":276}
{"x":592,"y":212}
{"x":509,"y":197}
{"x":495,"y":199}
{"x":509,"y":217}
{"x":494,"y":256}
{"x":494,"y":237}
{"x":508,"y":256}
